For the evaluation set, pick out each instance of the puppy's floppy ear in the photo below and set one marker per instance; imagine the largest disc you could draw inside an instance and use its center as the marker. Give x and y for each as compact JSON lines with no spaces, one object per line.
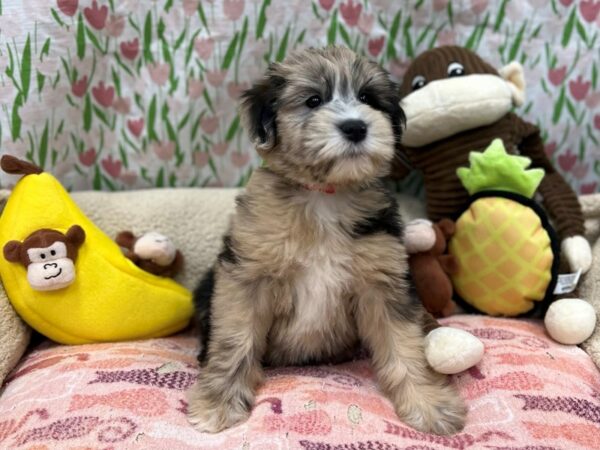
{"x":384,"y":94}
{"x":398,"y":118}
{"x":258,"y":109}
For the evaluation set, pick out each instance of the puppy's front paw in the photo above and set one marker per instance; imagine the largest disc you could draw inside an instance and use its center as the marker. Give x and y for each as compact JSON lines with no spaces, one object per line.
{"x":211,"y":415}
{"x":432,"y":409}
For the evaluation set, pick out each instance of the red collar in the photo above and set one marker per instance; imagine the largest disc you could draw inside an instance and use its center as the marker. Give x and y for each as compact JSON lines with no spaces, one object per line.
{"x":327,"y":188}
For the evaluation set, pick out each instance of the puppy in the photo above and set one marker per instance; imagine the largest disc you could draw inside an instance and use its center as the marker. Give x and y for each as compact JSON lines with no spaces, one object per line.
{"x":314,"y":264}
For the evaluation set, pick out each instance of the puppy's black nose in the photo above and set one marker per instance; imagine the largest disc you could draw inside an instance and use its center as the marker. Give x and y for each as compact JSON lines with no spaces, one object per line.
{"x":354,"y":130}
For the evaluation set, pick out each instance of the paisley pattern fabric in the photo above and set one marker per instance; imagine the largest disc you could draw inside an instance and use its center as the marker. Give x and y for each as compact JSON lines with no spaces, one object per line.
{"x":527,"y":393}
{"x":126,"y":94}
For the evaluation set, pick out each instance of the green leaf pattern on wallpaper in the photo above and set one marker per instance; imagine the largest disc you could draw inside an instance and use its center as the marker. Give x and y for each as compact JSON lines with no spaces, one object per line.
{"x":124,"y":94}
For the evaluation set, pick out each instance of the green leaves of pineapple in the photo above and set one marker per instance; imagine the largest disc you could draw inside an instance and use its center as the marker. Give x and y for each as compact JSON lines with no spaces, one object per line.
{"x":494,"y":169}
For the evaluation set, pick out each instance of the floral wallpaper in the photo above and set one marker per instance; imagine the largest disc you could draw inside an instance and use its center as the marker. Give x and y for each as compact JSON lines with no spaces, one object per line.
{"x":142,"y":93}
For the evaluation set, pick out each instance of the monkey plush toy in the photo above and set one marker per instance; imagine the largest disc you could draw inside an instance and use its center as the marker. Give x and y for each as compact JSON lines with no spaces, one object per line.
{"x":70,"y":281}
{"x":456,"y":103}
{"x":152,"y":252}
{"x":431,"y":269}
{"x":49,"y":257}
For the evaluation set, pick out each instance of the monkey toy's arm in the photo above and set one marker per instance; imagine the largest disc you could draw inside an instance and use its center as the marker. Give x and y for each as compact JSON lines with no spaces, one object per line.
{"x":559,"y":199}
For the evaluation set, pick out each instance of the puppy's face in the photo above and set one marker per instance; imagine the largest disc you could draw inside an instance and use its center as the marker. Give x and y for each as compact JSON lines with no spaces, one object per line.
{"x":325,"y":116}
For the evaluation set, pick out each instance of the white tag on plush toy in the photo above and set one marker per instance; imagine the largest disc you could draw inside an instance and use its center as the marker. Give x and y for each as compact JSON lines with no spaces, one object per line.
{"x":567,"y":282}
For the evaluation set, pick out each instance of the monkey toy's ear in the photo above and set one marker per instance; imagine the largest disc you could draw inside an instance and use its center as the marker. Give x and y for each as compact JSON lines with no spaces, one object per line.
{"x":76,"y":235}
{"x":513,"y":74}
{"x":126,"y":239}
{"x":12,"y":251}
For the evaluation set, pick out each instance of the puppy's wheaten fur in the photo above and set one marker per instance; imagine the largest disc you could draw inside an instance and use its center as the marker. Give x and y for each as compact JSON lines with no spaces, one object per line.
{"x":313,"y":265}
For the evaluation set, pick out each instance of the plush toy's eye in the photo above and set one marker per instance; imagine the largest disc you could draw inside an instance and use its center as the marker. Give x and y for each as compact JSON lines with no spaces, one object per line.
{"x":455,"y":69}
{"x":418,"y":82}
{"x":53,"y":252}
{"x":313,"y":101}
{"x":43,"y":255}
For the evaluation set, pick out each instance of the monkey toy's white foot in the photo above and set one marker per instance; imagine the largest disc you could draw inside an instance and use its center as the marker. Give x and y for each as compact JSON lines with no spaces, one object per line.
{"x":570,"y":320}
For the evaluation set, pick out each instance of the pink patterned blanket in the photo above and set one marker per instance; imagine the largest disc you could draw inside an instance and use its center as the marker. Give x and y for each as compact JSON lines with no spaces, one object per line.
{"x":528,"y":393}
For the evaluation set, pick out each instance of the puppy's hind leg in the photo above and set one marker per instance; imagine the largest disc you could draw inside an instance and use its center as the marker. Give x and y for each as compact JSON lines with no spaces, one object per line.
{"x":390,"y":324}
{"x":224,"y":392}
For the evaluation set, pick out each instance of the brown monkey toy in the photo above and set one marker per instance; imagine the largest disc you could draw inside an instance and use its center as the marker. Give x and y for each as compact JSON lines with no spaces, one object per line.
{"x":49,"y":257}
{"x":430,"y":269}
{"x":449,"y":350}
{"x":456,"y":103}
{"x":152,"y":252}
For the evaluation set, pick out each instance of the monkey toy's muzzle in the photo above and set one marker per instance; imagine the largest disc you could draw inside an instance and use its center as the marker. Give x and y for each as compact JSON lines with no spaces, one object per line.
{"x":50,"y":276}
{"x":446,"y":107}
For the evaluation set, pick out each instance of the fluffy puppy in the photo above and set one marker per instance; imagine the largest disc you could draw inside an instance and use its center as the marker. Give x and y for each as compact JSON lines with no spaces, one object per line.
{"x":314,"y":264}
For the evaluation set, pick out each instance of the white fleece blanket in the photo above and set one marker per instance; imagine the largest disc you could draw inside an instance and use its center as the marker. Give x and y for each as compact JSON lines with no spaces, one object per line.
{"x":590,"y":285}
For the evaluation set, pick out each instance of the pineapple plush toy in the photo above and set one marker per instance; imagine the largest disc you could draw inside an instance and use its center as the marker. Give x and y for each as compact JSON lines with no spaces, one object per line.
{"x":507,"y":252}
{"x":506,"y":249}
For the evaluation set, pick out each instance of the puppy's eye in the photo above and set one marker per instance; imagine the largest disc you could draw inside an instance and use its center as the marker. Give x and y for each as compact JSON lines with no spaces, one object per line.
{"x":455,"y":69}
{"x":53,"y":252}
{"x":418,"y":82}
{"x":364,"y":98}
{"x":314,"y":101}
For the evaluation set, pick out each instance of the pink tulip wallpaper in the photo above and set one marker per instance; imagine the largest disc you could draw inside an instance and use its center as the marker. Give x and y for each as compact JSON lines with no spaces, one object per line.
{"x":124,"y":94}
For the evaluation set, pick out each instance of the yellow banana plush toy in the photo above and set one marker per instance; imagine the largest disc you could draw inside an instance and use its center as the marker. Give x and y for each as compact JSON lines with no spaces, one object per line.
{"x":70,"y":281}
